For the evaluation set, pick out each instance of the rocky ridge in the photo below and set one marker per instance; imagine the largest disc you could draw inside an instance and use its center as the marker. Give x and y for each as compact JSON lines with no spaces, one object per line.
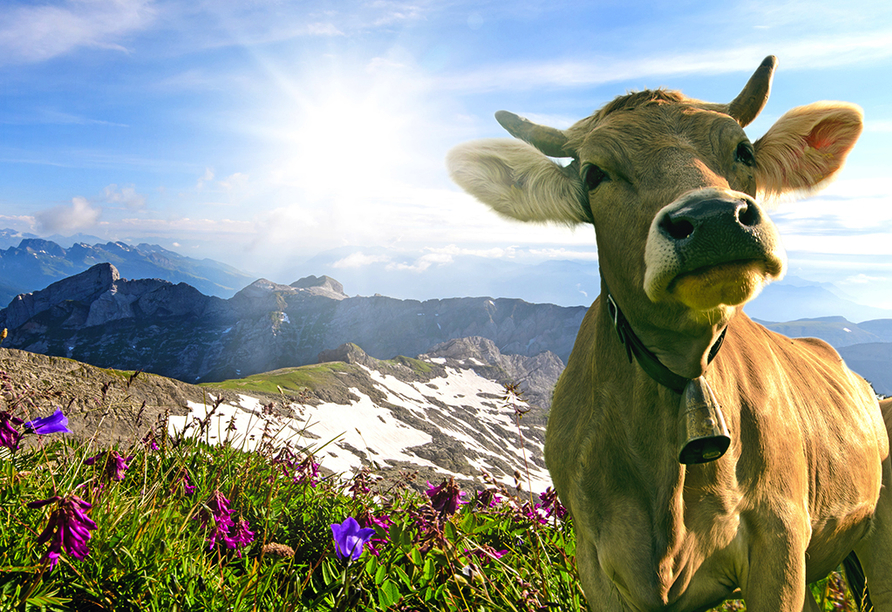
{"x":440,"y":414}
{"x":153,"y":325}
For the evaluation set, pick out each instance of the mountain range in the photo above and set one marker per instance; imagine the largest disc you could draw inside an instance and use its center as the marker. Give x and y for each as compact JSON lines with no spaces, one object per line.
{"x":153,"y":325}
{"x":35,"y":263}
{"x":100,"y":318}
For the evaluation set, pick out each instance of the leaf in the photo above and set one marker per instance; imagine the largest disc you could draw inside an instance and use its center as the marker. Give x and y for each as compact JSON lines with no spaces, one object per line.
{"x":401,"y":574}
{"x":388,"y":594}
{"x":381,"y":574}
{"x":415,"y":556}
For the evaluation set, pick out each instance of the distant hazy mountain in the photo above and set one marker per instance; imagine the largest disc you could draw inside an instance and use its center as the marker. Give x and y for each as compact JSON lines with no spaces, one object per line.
{"x":566,"y":282}
{"x":35,"y":263}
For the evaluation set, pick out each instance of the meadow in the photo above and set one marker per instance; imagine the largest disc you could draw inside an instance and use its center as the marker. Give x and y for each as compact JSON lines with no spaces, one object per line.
{"x":173,"y":523}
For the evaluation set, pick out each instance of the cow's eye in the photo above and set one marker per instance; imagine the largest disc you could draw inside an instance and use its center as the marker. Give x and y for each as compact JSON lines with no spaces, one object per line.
{"x":745,"y":154}
{"x":593,"y":176}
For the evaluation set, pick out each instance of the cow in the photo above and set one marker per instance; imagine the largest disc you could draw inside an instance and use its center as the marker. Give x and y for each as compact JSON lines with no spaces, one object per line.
{"x":792,"y":476}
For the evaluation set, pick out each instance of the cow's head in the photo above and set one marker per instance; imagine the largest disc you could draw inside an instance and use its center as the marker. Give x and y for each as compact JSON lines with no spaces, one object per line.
{"x":671,"y":185}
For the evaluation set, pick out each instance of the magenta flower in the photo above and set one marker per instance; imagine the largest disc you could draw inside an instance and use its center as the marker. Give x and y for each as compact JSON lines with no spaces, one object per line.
{"x":68,"y":528}
{"x":383,"y":522}
{"x":216,"y":509}
{"x":115,"y":465}
{"x":240,"y":537}
{"x":445,"y":497}
{"x":551,"y":505}
{"x":350,"y":538}
{"x":188,"y":487}
{"x":9,"y":435}
{"x":55,"y":423}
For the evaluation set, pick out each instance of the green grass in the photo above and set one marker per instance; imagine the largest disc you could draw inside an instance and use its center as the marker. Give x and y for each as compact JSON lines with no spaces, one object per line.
{"x":150,"y":552}
{"x":297,"y":379}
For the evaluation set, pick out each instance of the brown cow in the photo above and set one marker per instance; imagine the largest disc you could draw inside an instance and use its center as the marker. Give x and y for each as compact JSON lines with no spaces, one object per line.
{"x":671,"y":185}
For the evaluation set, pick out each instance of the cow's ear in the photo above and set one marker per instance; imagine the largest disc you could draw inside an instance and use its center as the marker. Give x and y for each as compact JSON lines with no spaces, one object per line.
{"x":518,"y":181}
{"x":806,"y":147}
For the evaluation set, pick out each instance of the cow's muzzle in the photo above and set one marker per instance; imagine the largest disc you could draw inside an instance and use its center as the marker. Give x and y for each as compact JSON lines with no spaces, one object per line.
{"x":711,"y":247}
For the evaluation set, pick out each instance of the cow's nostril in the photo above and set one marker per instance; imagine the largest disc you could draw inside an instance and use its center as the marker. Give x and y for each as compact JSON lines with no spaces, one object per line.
{"x":748,"y":215}
{"x":679,"y":230}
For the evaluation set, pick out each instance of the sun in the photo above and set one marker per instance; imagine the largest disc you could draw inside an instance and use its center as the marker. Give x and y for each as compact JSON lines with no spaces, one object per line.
{"x":344,"y":137}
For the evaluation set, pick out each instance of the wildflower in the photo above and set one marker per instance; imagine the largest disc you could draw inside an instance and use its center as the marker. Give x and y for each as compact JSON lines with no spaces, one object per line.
{"x":55,"y":423}
{"x":445,"y":497}
{"x":382,"y":522}
{"x":488,"y":498}
{"x":350,"y":538}
{"x":68,"y":528}
{"x":307,"y":472}
{"x":9,"y":435}
{"x":216,"y":509}
{"x":150,"y":440}
{"x":115,"y":465}
{"x":240,"y":537}
{"x":551,"y":505}
{"x":184,"y":479}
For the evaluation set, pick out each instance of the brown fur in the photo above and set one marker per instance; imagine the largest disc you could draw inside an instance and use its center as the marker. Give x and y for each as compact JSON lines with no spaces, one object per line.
{"x":806,"y":480}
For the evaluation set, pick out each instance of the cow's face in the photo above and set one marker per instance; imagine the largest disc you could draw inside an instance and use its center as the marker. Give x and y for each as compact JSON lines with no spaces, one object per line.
{"x":671,"y":188}
{"x":670,"y":184}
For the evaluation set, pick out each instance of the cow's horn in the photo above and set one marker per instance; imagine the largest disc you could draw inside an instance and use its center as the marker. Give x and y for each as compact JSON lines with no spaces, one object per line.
{"x":549,"y":140}
{"x":752,"y":99}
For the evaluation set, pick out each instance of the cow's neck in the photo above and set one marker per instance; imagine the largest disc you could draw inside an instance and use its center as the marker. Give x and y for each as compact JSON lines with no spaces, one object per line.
{"x":668,"y":358}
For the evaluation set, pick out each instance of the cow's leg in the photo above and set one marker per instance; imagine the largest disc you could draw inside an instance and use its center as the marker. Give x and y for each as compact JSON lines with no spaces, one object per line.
{"x":809,"y":603}
{"x":600,"y":592}
{"x":775,"y":576}
{"x":875,"y":550}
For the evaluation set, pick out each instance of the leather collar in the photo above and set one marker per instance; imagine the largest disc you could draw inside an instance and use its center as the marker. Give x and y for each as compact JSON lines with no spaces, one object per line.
{"x":649,"y":362}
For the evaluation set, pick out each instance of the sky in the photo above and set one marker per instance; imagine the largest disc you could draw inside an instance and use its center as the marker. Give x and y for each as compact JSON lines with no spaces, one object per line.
{"x":261,"y":133}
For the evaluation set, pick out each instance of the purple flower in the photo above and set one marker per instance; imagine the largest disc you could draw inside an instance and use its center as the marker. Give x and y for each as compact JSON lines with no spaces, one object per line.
{"x":9,"y":435}
{"x":551,"y":505}
{"x":240,"y":537}
{"x":55,"y":423}
{"x":445,"y":497}
{"x":383,"y":522}
{"x":216,"y":510}
{"x":488,"y":498}
{"x":188,"y":487}
{"x":115,"y":465}
{"x":350,"y":538}
{"x":68,"y":528}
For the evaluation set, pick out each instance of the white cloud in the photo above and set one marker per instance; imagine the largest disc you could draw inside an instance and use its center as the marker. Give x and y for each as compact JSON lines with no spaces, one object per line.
{"x":236,"y":181}
{"x":125,"y":195}
{"x":79,"y":216}
{"x":204,"y":178}
{"x":360,"y":260}
{"x":36,"y":33}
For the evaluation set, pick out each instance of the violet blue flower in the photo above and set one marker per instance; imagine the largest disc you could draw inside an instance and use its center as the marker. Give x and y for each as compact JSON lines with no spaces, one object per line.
{"x":55,"y":423}
{"x":350,"y":538}
{"x":68,"y":528}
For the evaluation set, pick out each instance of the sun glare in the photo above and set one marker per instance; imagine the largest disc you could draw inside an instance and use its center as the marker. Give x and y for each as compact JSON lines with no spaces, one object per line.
{"x":344,"y":140}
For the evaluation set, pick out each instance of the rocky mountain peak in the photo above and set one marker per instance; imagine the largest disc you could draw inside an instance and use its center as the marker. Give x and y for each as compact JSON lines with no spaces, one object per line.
{"x":83,"y":287}
{"x":321,"y":285}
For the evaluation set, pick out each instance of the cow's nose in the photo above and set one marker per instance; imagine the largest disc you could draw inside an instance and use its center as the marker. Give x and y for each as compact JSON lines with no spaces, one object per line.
{"x":683,"y":222}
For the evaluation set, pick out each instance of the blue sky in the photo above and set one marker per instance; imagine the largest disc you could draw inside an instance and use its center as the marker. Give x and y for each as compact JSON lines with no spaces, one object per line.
{"x":260,"y":133}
